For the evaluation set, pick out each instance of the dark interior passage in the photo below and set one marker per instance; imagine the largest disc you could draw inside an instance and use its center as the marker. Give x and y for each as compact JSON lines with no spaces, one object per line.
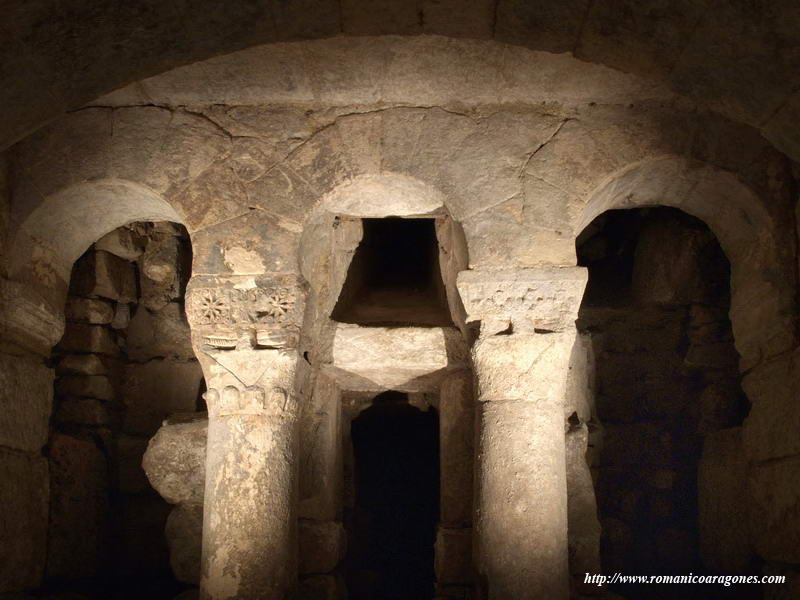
{"x":667,"y":378}
{"x":394,"y":277}
{"x":392,"y":528}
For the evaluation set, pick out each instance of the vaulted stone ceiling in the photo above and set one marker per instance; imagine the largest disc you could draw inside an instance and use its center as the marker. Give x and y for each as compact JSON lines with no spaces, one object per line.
{"x":738,"y":57}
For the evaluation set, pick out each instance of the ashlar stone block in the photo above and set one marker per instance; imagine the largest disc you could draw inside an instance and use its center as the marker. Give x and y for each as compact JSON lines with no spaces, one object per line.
{"x":407,"y":359}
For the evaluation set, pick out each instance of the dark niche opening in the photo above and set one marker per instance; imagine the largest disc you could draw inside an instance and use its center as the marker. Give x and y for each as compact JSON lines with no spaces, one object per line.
{"x":392,"y":528}
{"x":394,"y":277}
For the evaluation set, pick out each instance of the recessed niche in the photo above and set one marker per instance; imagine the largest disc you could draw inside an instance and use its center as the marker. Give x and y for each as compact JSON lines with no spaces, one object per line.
{"x":395,"y":276}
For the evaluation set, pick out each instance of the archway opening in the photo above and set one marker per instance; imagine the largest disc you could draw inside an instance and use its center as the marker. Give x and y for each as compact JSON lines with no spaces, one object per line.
{"x":395,"y":276}
{"x":393,"y":524}
{"x":667,"y":380}
{"x":125,"y":364}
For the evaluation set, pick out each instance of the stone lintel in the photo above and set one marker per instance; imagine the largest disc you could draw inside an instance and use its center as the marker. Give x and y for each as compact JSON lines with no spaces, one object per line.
{"x":408,"y":359}
{"x":543,"y":299}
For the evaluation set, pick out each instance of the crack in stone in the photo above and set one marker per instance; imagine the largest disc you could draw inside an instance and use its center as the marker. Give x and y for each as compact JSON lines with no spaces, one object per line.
{"x":536,"y":150}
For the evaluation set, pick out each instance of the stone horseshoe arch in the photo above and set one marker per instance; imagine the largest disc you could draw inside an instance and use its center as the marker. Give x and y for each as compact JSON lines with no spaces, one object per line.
{"x":746,"y":232}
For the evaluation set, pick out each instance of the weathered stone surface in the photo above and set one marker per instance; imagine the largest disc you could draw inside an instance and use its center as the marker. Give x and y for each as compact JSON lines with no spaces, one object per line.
{"x":160,"y":334}
{"x":583,"y":525}
{"x":184,"y":532}
{"x":122,"y":316}
{"x":175,"y":460}
{"x":122,"y":242}
{"x":160,"y":267}
{"x":105,"y":275}
{"x":86,"y":386}
{"x":770,"y":429}
{"x":524,"y":437}
{"x":89,"y":310}
{"x":545,"y":299}
{"x":523,"y":367}
{"x":322,"y":546}
{"x":725,"y":545}
{"x":88,"y":411}
{"x":81,"y":338}
{"x":26,"y":398}
{"x":78,"y":508}
{"x":155,"y":389}
{"x":88,"y":364}
{"x":27,"y":319}
{"x":405,"y":359}
{"x":580,"y":394}
{"x":320,"y":453}
{"x":774,"y":490}
{"x":457,"y":456}
{"x":24,"y":499}
{"x":453,"y":555}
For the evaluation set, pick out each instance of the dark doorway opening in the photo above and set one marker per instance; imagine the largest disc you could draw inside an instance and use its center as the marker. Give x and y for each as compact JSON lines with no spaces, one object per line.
{"x":393,"y":525}
{"x":395,"y":277}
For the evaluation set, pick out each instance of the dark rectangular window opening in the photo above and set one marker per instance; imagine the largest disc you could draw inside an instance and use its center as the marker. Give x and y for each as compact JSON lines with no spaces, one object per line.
{"x":395,"y":277}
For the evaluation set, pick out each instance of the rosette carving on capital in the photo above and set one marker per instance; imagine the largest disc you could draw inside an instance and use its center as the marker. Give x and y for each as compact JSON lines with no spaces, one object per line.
{"x":267,"y":308}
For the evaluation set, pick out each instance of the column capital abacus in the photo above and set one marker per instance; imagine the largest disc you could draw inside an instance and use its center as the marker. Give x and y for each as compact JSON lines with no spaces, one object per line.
{"x":544,"y":299}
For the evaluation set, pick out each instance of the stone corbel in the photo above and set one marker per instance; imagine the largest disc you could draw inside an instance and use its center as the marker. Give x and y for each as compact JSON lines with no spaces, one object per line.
{"x":542,"y":300}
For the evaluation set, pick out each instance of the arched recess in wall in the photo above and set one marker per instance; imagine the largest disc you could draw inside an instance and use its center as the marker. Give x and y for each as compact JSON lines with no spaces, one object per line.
{"x":62,"y":227}
{"x":336,"y":225}
{"x":356,"y":361}
{"x":762,"y":298}
{"x":762,"y":318}
{"x":112,"y":259}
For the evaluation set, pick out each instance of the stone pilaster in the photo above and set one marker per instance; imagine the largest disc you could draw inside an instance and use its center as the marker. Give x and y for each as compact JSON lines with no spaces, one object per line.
{"x":521,"y":360}
{"x":245,"y":333}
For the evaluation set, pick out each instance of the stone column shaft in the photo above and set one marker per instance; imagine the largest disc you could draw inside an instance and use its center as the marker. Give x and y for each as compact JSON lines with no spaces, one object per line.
{"x":245,"y":338}
{"x":521,"y":360}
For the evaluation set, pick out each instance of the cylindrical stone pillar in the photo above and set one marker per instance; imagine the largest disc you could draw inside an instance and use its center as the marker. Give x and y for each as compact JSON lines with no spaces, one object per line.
{"x":521,"y":360}
{"x":521,"y":516}
{"x":244,"y":331}
{"x":250,"y":518}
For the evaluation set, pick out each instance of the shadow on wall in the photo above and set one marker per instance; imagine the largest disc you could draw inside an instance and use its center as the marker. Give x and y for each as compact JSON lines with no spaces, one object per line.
{"x":124,"y":364}
{"x":656,"y":308}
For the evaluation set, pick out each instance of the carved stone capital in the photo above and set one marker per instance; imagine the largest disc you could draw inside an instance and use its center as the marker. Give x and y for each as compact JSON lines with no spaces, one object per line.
{"x":544,"y":299}
{"x":254,"y":382}
{"x":266,"y":308}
